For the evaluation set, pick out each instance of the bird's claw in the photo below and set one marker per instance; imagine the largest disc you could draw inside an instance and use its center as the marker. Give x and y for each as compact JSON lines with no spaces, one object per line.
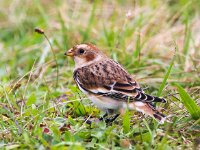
{"x":111,"y":119}
{"x":107,"y":120}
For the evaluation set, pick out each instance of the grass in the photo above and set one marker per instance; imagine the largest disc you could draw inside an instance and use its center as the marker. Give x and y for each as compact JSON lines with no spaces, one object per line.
{"x":156,"y":41}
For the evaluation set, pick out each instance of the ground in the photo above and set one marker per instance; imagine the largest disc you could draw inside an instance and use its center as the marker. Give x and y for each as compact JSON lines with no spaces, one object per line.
{"x":42,"y":108}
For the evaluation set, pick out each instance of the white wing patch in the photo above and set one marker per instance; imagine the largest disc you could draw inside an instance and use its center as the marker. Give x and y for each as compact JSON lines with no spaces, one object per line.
{"x":78,"y":83}
{"x":99,"y":90}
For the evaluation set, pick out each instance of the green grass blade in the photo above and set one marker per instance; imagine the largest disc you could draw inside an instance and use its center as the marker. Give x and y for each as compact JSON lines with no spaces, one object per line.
{"x":189,"y":103}
{"x":126,"y":122}
{"x":138,"y":47}
{"x":91,"y":20}
{"x":187,"y":37}
{"x":41,"y":11}
{"x":64,"y":31}
{"x":31,"y":100}
{"x":166,"y":77}
{"x":150,"y":136}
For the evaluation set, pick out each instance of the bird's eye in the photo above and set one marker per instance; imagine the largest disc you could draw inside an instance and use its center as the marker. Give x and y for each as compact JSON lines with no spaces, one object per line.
{"x":81,"y":51}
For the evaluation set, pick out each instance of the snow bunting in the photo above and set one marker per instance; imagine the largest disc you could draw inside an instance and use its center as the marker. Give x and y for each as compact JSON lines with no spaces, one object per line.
{"x":108,"y":85}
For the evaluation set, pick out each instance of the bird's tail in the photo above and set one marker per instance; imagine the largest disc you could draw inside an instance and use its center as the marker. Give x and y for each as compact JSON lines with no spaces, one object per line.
{"x":148,"y":98}
{"x":153,"y":112}
{"x":148,"y":109}
{"x":159,"y":117}
{"x":146,"y":105}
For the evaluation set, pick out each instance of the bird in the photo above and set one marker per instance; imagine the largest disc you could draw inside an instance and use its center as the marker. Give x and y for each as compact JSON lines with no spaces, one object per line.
{"x":108,"y":85}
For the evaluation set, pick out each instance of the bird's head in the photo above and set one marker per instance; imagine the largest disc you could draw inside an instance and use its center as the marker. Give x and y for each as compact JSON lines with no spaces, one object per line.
{"x":85,"y":54}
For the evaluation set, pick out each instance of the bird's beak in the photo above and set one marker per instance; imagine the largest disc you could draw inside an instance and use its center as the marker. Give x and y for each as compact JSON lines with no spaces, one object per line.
{"x":70,"y":52}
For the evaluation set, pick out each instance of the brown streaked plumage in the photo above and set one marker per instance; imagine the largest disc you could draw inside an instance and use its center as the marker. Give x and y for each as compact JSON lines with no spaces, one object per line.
{"x":108,"y":85}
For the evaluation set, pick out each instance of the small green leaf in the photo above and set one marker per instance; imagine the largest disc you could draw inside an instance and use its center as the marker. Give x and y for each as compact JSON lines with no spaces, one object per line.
{"x":26,"y":137}
{"x":79,"y":108}
{"x":68,"y":137}
{"x":56,"y":132}
{"x":13,"y":146}
{"x":145,"y":137}
{"x":71,"y":121}
{"x":31,"y":100}
{"x":126,"y":122}
{"x":189,"y":103}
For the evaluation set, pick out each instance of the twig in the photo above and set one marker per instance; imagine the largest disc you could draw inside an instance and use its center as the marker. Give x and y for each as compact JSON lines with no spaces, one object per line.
{"x":40,"y":31}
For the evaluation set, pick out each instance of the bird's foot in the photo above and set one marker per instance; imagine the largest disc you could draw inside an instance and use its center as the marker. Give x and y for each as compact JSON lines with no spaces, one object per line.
{"x":103,"y":117}
{"x":107,"y":120}
{"x":111,"y":119}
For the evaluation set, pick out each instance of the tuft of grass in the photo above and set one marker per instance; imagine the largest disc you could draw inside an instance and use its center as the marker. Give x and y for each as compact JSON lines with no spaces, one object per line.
{"x":189,"y":103}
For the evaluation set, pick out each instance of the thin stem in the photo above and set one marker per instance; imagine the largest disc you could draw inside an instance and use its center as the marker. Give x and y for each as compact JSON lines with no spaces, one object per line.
{"x":54,"y":55}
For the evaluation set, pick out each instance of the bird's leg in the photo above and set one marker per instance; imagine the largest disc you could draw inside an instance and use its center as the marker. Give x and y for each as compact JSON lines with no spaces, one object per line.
{"x":88,"y":122}
{"x":108,"y":111}
{"x":103,"y":117}
{"x":111,"y":119}
{"x":107,"y":120}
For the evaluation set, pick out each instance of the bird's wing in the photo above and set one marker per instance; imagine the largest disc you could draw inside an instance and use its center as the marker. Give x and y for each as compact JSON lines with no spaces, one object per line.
{"x":109,"y":79}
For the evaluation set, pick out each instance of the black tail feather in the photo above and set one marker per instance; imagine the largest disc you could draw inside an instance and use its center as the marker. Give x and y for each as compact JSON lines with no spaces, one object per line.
{"x":157,"y":99}
{"x":159,"y":117}
{"x":148,"y":98}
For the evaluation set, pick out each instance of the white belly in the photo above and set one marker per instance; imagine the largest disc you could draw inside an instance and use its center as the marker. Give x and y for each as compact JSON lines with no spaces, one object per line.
{"x":104,"y":103}
{"x":101,"y":102}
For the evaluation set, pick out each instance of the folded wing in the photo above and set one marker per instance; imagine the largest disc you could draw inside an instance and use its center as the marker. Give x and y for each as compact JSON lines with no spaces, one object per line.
{"x":110,"y":79}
